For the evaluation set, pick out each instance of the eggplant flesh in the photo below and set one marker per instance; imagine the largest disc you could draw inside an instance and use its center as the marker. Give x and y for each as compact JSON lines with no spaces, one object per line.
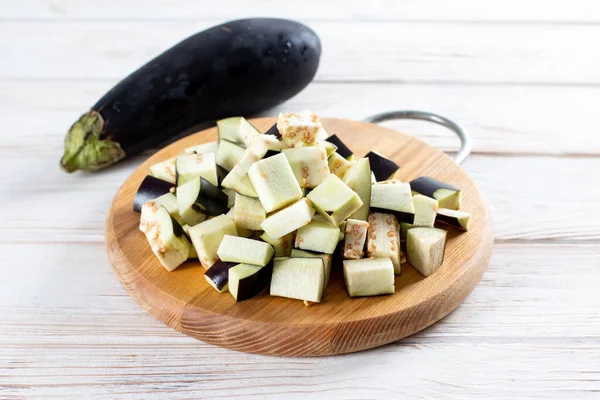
{"x":448,"y":196}
{"x":149,"y":189}
{"x":238,"y":68}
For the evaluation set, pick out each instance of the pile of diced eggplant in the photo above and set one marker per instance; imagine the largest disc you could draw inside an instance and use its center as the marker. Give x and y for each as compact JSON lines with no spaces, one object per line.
{"x":279,"y":208}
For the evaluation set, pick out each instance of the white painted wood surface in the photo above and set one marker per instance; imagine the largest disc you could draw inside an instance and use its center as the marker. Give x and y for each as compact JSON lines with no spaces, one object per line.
{"x":523,"y":77}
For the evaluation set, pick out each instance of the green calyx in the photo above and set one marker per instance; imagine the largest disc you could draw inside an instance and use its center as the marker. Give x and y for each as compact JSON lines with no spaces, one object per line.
{"x":84,"y":150}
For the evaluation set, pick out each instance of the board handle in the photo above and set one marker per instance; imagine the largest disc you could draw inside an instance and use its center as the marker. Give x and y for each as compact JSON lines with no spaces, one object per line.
{"x":465,"y":138}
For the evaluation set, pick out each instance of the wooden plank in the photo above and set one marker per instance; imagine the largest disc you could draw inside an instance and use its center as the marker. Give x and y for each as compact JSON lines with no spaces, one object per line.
{"x":501,"y":119}
{"x":398,"y":52}
{"x":529,"y":330}
{"x":352,"y":10}
{"x":444,"y":371}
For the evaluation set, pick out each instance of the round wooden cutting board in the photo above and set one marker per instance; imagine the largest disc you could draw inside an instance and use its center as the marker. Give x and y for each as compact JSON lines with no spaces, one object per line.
{"x":339,"y":324}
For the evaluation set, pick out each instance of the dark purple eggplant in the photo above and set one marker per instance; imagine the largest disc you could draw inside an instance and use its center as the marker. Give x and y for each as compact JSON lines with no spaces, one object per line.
{"x":342,"y":149}
{"x":458,"y":219}
{"x":383,"y":168}
{"x":271,"y":153}
{"x":273,"y":131}
{"x":237,"y":68}
{"x":246,"y":281}
{"x":218,"y":275}
{"x":149,"y":189}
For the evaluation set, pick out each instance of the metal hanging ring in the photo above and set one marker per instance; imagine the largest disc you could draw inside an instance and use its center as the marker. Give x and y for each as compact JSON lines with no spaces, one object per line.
{"x":465,"y":138}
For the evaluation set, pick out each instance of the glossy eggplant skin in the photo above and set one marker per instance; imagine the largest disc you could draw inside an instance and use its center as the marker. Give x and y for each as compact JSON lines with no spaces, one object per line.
{"x":237,"y":68}
{"x":427,"y":186}
{"x":149,"y":189}
{"x":342,"y":149}
{"x":254,"y":284}
{"x":383,"y":168}
{"x":218,"y":273}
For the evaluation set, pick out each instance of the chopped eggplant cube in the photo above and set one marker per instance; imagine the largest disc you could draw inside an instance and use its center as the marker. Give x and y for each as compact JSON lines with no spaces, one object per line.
{"x":447,"y":196}
{"x":273,"y":131}
{"x":150,"y":189}
{"x":190,"y":166}
{"x":166,"y":237}
{"x":228,"y":154}
{"x":355,"y":238}
{"x":393,"y":197}
{"x":247,"y":251}
{"x":383,"y":168}
{"x":271,"y":153}
{"x":342,"y":149}
{"x":218,"y":275}
{"x":288,"y":220}
{"x":230,"y":197}
{"x":342,"y":231}
{"x":318,"y":236}
{"x":425,"y":210}
{"x":164,"y":170}
{"x":298,"y":278}
{"x":327,"y":258}
{"x":236,"y":130}
{"x":210,"y":147}
{"x":334,"y":200}
{"x":369,"y":277}
{"x":458,"y":219}
{"x":242,"y":232}
{"x":262,"y":144}
{"x":207,"y":237}
{"x":404,"y":227}
{"x":246,"y":281}
{"x":274,"y":182}
{"x":282,"y":245}
{"x":249,"y":213}
{"x":330,"y":148}
{"x":383,"y":239}
{"x":197,"y":197}
{"x":358,"y":178}
{"x":338,"y":165}
{"x":169,"y":201}
{"x":193,"y":254}
{"x":238,"y":179}
{"x":425,"y":248}
{"x":299,"y":129}
{"x":309,"y":165}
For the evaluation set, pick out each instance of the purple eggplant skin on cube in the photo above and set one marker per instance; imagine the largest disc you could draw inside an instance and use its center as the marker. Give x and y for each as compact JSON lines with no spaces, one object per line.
{"x":427,"y":186}
{"x":383,"y":168}
{"x":254,"y":284}
{"x":405,"y":217}
{"x":342,"y":149}
{"x":447,"y":195}
{"x":457,"y":219}
{"x":218,"y":274}
{"x":149,"y":189}
{"x":238,"y":68}
{"x":273,"y":131}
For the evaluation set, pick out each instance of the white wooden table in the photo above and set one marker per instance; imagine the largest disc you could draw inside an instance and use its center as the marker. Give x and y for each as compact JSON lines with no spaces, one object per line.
{"x":523,"y":77}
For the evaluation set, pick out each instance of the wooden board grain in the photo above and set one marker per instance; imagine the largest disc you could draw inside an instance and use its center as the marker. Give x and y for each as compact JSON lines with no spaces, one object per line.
{"x":268,"y":325}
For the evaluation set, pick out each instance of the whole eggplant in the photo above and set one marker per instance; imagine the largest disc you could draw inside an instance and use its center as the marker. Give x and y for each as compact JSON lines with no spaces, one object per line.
{"x":237,"y":68}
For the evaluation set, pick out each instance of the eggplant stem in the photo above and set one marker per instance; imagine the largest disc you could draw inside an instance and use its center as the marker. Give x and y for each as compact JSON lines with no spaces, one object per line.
{"x":85,"y":150}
